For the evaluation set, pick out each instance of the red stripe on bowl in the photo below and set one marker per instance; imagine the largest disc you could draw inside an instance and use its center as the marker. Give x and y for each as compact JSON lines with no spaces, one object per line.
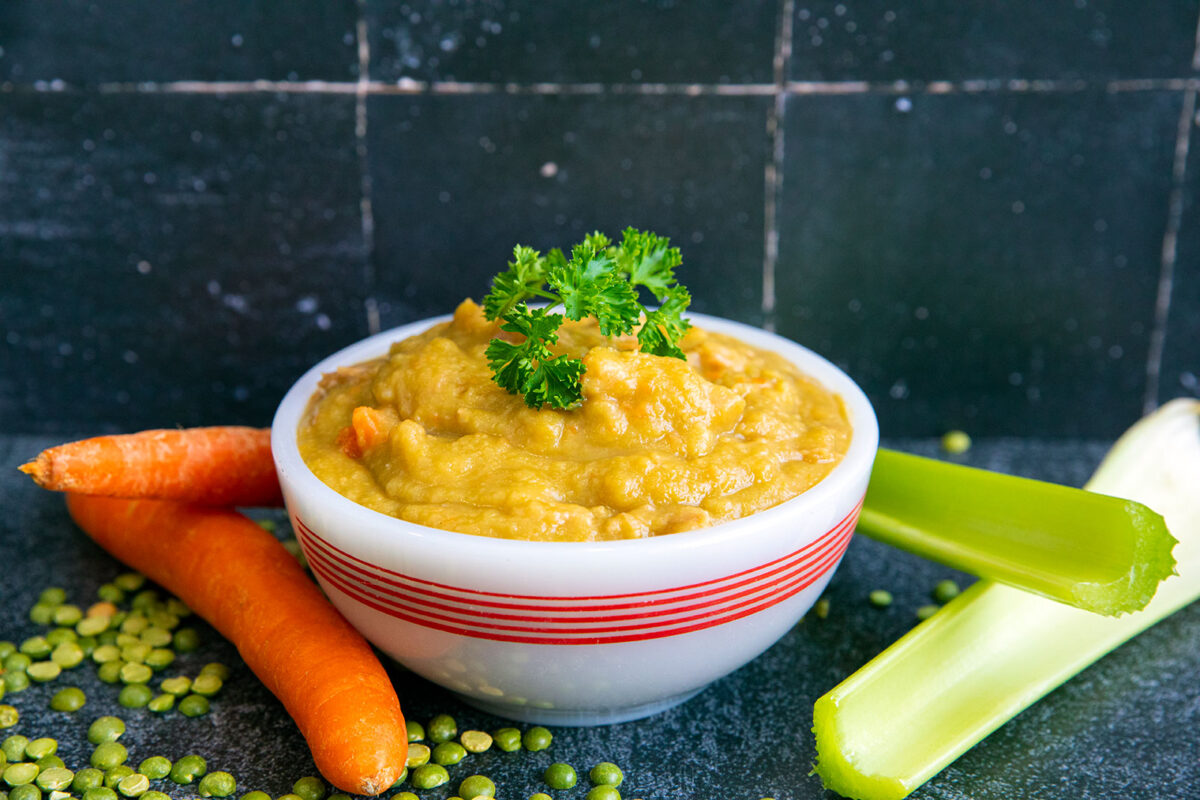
{"x":775,"y":582}
{"x":321,"y":552}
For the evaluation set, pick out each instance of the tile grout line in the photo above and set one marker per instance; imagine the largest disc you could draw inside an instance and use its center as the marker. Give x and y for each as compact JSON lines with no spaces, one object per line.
{"x":773,"y":170}
{"x":366,"y":209}
{"x":407,"y":86}
{"x":1170,"y":242}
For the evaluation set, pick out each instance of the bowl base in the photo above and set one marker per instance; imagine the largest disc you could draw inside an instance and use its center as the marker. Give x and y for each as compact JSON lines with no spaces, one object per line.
{"x":576,"y":717}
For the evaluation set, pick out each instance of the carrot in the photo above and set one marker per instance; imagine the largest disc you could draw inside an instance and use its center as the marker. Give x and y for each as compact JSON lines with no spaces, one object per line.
{"x":241,"y":579}
{"x":226,"y":465}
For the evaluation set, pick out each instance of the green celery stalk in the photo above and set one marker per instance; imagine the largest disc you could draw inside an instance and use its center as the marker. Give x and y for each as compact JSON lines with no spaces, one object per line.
{"x":1103,"y":554}
{"x":995,"y":650}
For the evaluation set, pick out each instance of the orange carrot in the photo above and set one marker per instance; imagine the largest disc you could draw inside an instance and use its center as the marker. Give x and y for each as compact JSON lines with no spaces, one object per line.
{"x":241,"y":579}
{"x":226,"y":465}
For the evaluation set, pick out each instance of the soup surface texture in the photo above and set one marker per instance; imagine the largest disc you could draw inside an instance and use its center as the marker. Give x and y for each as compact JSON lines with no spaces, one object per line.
{"x":659,"y":445}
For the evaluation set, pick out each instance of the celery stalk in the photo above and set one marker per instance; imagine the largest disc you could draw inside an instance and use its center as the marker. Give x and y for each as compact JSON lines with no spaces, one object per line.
{"x":1103,"y":554}
{"x":995,"y":650}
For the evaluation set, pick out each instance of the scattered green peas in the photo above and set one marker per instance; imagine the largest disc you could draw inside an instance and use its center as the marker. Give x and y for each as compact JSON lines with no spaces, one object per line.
{"x":405,"y":796}
{"x":177,"y":685}
{"x":135,"y":695}
{"x":194,"y":705}
{"x":927,"y":611}
{"x":7,"y":648}
{"x":136,"y":652}
{"x":41,"y":614}
{"x":507,"y":739}
{"x":309,"y":788}
{"x":13,"y":747}
{"x":55,"y":778}
{"x":108,"y":755}
{"x":87,"y":778}
{"x":67,"y":615}
{"x":105,"y":729}
{"x":20,"y":773}
{"x":429,"y":776}
{"x":956,"y":442}
{"x":16,"y":681}
{"x":945,"y":591}
{"x":477,"y":786}
{"x":159,"y":658}
{"x":218,"y":784}
{"x":188,"y":769}
{"x":111,"y":593}
{"x":448,"y":753}
{"x":880,"y":598}
{"x":100,"y":793}
{"x":418,"y":754}
{"x":156,"y":795}
{"x":540,"y":796}
{"x":67,"y":655}
{"x":155,"y":767}
{"x":560,"y":776}
{"x":441,"y":728}
{"x":38,"y":748}
{"x":288,"y":796}
{"x":606,"y":773}
{"x":207,"y":684}
{"x":110,"y":671}
{"x":416,"y":731}
{"x":106,"y":653}
{"x":17,"y":662}
{"x":71,"y":698}
{"x":475,"y":741}
{"x":216,"y":668}
{"x":92,"y":626}
{"x":161,"y":703}
{"x":821,"y":609}
{"x":536,"y":738}
{"x":53,"y":596}
{"x":136,"y":673}
{"x":9,"y":716}
{"x":36,"y":647}
{"x":130,"y":581}
{"x":49,"y":762}
{"x":156,"y":636}
{"x":603,"y":792}
{"x":61,"y":636}
{"x":43,"y":671}
{"x":117,"y":774}
{"x":340,"y":796}
{"x":256,"y":795}
{"x":27,"y":791}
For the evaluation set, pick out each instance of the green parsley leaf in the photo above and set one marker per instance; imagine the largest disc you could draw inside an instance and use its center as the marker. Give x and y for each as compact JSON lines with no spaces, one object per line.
{"x":665,"y":325}
{"x":589,"y":286}
{"x":648,"y":260}
{"x":529,"y":368}
{"x":524,"y":278}
{"x":599,"y":280}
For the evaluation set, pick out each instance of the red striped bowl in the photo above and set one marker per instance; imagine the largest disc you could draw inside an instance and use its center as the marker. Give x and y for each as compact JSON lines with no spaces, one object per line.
{"x":576,"y":633}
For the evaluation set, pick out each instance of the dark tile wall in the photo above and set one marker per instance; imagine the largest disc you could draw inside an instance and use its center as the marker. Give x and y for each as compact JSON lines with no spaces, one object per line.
{"x":987,"y":213}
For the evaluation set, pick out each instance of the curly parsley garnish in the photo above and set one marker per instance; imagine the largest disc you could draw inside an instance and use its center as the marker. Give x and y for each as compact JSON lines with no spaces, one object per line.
{"x":600,"y":280}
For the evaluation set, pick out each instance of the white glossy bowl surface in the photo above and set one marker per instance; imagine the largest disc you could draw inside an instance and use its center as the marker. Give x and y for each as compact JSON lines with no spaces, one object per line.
{"x":574,"y":633}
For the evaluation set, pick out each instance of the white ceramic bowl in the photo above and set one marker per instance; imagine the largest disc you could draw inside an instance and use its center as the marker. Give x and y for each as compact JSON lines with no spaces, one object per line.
{"x":576,"y":633}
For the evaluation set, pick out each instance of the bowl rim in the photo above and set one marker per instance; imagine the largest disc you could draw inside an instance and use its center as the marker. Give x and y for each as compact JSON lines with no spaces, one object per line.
{"x":837,"y":486}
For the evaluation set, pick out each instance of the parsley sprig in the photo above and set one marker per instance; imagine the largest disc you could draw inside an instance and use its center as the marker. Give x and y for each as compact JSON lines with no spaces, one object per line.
{"x":600,"y":279}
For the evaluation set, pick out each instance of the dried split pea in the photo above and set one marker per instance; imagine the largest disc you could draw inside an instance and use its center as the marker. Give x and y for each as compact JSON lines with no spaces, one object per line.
{"x":71,"y":698}
{"x":418,"y":754}
{"x":105,"y":729}
{"x":536,"y":738}
{"x":309,"y":788}
{"x":880,"y":598}
{"x":945,"y":591}
{"x":475,"y":741}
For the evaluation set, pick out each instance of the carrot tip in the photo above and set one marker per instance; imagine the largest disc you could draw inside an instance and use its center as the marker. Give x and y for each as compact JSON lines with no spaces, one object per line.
{"x":32,"y":468}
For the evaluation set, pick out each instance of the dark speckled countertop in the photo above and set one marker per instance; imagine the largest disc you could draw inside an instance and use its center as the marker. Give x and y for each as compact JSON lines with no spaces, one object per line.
{"x":1125,"y":727}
